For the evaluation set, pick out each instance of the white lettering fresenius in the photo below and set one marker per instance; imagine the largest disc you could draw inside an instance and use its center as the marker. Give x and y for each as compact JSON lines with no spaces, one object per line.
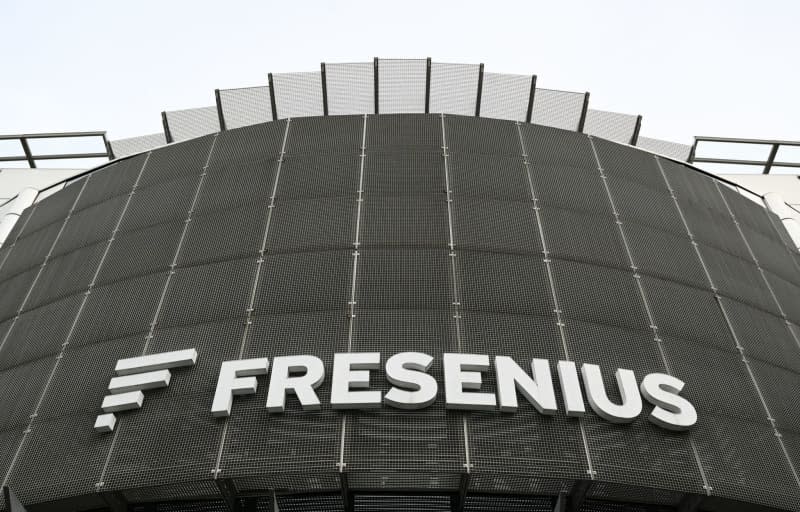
{"x":412,"y":386}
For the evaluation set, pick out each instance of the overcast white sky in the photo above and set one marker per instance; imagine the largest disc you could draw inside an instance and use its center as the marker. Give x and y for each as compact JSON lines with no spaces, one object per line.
{"x":727,"y":68}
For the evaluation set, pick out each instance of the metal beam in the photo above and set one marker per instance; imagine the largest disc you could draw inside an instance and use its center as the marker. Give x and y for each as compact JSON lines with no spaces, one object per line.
{"x":703,"y":138}
{"x":584,"y":110}
{"x":480,"y":91}
{"x":771,"y":158}
{"x":165,"y":123}
{"x":459,"y":500}
{"x":347,"y":497}
{"x":324,"y":79}
{"x":228,"y":491}
{"x":27,"y":150}
{"x":758,"y":163}
{"x":221,"y":116}
{"x":272,"y":97}
{"x":428,"y":65}
{"x":54,"y":157}
{"x":375,"y":78}
{"x":561,"y":502}
{"x":11,"y":501}
{"x":52,"y":135}
{"x":577,"y":495}
{"x":690,"y":503}
{"x":635,"y":136}
{"x":531,"y":97}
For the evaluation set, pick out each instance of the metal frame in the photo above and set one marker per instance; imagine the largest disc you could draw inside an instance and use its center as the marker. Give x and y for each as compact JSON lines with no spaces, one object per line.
{"x":766,"y":165}
{"x":31,"y":158}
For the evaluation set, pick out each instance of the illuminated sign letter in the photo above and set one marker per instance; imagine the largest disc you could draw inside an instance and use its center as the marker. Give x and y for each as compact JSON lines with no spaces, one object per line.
{"x":538,"y":390}
{"x":631,"y":405}
{"x":571,"y":389}
{"x":413,"y":388}
{"x":350,"y":372}
{"x":236,"y":378}
{"x":671,"y":411}
{"x":463,"y":371}
{"x":285,"y":380}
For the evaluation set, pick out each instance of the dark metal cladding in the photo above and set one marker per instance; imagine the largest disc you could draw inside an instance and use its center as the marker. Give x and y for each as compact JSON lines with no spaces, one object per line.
{"x":390,"y":233}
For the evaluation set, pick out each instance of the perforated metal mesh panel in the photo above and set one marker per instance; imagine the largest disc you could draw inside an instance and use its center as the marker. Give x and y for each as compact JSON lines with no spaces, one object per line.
{"x":666,"y":148}
{"x":245,"y":106}
{"x":133,"y":145}
{"x":505,"y":96}
{"x":559,"y":109}
{"x":351,"y":88}
{"x":186,"y":260}
{"x":298,"y":94}
{"x":610,"y":125}
{"x":401,"y":85}
{"x":454,"y":88}
{"x":192,"y":123}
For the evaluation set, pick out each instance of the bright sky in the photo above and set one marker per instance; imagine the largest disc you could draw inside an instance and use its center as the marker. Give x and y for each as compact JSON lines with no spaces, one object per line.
{"x":724,"y":68}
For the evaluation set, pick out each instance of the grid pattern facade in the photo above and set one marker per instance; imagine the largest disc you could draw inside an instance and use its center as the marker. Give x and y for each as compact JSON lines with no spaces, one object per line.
{"x":390,"y":233}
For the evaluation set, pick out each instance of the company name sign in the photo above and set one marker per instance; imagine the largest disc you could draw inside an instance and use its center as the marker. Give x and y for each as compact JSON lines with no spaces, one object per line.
{"x":412,"y":386}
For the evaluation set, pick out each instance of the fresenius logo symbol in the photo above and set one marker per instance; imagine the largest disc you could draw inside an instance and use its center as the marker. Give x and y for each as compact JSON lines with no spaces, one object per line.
{"x":135,"y":375}
{"x":412,"y":386}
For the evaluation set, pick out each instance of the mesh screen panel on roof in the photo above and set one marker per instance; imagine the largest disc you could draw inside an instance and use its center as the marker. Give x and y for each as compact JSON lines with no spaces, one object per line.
{"x":351,"y":88}
{"x":133,"y":145}
{"x":401,"y":85}
{"x":245,"y":106}
{"x":454,"y":88}
{"x":192,"y":123}
{"x":505,"y":96}
{"x":298,"y":94}
{"x":559,"y":109}
{"x":666,"y":148}
{"x":610,"y":125}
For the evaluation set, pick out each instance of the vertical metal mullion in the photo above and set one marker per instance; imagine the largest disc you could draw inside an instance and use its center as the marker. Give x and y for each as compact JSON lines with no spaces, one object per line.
{"x":272,"y":101}
{"x":324,"y":78}
{"x":376,"y":83}
{"x":551,"y":281}
{"x":480,"y":91}
{"x":643,"y":296}
{"x":220,"y":114}
{"x":152,"y":326}
{"x":531,"y":98}
{"x":636,"y":129}
{"x":256,"y":281}
{"x":726,"y":317}
{"x":351,"y":303}
{"x":584,"y":110}
{"x":456,"y":297}
{"x":428,"y":66}
{"x":165,"y":124}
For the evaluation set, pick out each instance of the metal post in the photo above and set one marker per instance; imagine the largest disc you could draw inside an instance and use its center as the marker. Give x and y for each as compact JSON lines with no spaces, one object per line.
{"x":228,"y":491}
{"x":480,"y":91}
{"x":165,"y":123}
{"x":12,"y":503}
{"x":692,"y":151}
{"x":108,"y":147}
{"x":347,"y":498}
{"x":27,"y":150}
{"x":272,"y":97}
{"x":222,"y":127}
{"x":428,"y":86}
{"x":690,"y":503}
{"x":324,"y":88}
{"x":529,"y":115}
{"x":577,"y":495}
{"x":375,"y":76}
{"x":771,"y":158}
{"x":635,"y":136}
{"x":584,"y":110}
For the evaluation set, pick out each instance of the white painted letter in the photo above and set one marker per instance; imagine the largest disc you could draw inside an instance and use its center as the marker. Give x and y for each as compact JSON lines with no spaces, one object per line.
{"x":414,"y":389}
{"x":236,"y":378}
{"x":571,"y":389}
{"x":631,"y":405}
{"x":303,"y":386}
{"x":351,"y":371}
{"x":538,"y":390}
{"x":462,"y":371}
{"x":671,"y":411}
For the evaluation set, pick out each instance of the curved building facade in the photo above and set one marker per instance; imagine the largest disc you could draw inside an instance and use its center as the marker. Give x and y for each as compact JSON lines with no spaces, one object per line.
{"x":437,"y":234}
